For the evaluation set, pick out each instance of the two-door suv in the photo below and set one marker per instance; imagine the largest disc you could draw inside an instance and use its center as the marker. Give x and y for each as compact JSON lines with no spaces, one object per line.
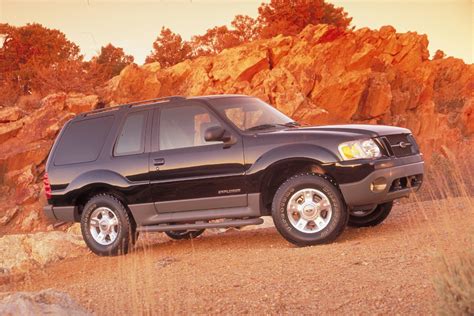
{"x":180,"y":165}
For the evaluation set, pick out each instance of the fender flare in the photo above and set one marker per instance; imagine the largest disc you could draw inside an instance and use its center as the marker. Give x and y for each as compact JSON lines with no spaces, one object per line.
{"x":89,"y":180}
{"x":293,"y":152}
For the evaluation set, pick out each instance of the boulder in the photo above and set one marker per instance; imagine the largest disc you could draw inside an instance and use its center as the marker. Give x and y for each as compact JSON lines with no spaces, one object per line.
{"x":8,"y":215}
{"x":239,"y":64}
{"x":377,"y":98}
{"x":23,"y":252}
{"x":78,"y":102}
{"x":20,"y":177}
{"x":46,"y":302}
{"x":19,"y":156}
{"x":341,"y":96}
{"x":9,"y":130}
{"x":10,"y":114}
{"x":133,"y":84}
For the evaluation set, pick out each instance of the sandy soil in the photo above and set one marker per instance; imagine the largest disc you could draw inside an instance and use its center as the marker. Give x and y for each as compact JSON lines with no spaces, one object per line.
{"x":386,"y":269}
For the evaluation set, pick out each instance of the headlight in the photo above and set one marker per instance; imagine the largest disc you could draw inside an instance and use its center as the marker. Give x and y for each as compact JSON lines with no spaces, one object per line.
{"x":359,"y":149}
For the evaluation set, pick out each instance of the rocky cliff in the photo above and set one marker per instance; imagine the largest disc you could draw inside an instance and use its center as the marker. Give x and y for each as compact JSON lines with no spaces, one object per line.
{"x":321,"y":76}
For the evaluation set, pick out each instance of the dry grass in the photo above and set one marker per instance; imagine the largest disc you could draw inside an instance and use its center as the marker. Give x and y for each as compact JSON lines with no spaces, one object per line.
{"x":421,"y":261}
{"x":448,"y":184}
{"x":450,"y":179}
{"x":455,"y":285}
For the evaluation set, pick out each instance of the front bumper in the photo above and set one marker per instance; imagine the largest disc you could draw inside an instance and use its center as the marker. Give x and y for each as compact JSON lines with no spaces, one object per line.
{"x":60,"y":213}
{"x":401,"y":181}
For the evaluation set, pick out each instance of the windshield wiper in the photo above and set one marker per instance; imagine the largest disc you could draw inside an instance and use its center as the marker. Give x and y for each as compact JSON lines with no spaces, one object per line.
{"x":266,"y":126}
{"x":262,"y":126}
{"x":291,"y":124}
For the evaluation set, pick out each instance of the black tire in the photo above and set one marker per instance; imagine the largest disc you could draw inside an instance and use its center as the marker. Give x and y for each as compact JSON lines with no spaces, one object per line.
{"x":184,"y":234}
{"x":370,"y":217}
{"x":125,"y":228}
{"x":336,"y":223}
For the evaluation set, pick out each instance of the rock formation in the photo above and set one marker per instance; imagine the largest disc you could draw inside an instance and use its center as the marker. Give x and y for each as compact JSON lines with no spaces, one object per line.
{"x":46,"y":302}
{"x":321,"y":76}
{"x":327,"y":76}
{"x":26,"y":139}
{"x":22,"y":253}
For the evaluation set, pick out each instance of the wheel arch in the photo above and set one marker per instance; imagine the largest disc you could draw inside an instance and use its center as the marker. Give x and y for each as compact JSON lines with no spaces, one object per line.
{"x":271,"y":169}
{"x":94,"y":189}
{"x":278,"y":172}
{"x":86,"y":186}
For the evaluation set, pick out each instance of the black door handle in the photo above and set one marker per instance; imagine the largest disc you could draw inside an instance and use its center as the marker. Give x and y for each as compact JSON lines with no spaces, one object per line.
{"x":158,"y":161}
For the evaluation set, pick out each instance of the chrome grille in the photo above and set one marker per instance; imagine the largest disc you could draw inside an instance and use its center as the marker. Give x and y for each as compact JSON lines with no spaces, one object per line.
{"x":400,"y":145}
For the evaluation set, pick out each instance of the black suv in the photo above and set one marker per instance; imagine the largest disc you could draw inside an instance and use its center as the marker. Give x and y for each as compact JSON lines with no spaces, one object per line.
{"x":180,"y":165}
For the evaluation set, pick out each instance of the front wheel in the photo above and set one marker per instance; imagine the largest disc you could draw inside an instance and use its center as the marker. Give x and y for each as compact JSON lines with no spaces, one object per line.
{"x":184,"y":234}
{"x":106,"y":226}
{"x":370,"y":217}
{"x":308,"y":209}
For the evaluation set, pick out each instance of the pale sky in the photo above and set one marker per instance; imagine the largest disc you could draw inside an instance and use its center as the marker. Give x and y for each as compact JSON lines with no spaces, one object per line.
{"x":134,"y":25}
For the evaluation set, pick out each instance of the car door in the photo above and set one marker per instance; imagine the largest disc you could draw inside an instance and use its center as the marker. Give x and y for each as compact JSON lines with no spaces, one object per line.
{"x":188,"y":173}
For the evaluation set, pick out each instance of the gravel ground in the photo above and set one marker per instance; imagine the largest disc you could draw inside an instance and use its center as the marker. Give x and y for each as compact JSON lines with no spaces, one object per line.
{"x":390,"y":268}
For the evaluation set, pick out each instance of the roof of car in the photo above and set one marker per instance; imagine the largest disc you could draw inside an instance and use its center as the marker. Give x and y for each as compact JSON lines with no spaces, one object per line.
{"x":218,"y":96}
{"x":158,"y":101}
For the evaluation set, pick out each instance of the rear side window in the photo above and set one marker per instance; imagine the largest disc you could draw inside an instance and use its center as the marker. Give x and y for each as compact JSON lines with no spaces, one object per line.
{"x":83,"y":140}
{"x":132,"y":136}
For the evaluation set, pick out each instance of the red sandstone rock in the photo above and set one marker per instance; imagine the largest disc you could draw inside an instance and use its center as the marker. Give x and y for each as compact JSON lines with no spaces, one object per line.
{"x":10,"y":114}
{"x":320,"y":76}
{"x":78,"y":102}
{"x":24,"y":146}
{"x":10,"y":130}
{"x":134,"y":83}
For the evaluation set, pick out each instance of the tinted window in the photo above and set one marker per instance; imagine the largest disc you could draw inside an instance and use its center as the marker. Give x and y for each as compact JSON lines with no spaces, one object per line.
{"x":132,"y":136}
{"x":83,"y":140}
{"x":184,"y":126}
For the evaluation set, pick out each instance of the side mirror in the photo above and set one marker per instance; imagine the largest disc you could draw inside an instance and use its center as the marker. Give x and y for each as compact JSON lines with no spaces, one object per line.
{"x":219,"y":134}
{"x":214,"y":134}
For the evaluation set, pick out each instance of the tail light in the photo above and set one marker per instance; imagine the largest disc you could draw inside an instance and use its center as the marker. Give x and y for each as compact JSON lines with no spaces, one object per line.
{"x":47,"y":186}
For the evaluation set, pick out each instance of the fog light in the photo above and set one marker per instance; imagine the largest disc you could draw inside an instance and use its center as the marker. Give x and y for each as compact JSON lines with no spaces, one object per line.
{"x":378,"y":185}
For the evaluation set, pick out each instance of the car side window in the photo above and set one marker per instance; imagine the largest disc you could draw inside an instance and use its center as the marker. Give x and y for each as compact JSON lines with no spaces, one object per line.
{"x":132,"y":136}
{"x":184,"y":126}
{"x":245,"y":118}
{"x":72,"y":147}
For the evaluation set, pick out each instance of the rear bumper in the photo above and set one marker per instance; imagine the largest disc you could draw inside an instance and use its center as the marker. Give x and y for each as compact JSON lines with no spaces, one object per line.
{"x":401,"y":181}
{"x":60,"y":213}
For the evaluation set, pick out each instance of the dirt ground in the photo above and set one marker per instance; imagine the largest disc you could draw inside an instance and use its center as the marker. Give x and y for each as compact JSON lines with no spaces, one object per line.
{"x":386,"y":269}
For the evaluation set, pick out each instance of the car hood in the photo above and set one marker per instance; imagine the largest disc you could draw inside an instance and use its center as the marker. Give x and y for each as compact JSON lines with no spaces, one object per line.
{"x":357,"y":129}
{"x":327,"y":137}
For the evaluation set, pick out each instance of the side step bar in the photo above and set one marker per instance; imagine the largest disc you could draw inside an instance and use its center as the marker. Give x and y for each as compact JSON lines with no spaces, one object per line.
{"x":201,"y":225}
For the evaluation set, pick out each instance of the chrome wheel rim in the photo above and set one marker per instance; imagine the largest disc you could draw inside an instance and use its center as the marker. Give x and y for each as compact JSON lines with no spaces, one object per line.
{"x":104,"y":226}
{"x":309,"y":210}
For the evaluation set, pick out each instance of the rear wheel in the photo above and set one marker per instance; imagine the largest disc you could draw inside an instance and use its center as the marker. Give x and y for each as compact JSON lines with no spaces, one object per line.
{"x":184,"y":234}
{"x":370,"y":217}
{"x":106,"y":226}
{"x":308,"y":209}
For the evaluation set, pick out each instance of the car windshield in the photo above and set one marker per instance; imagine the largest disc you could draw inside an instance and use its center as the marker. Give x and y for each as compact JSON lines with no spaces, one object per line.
{"x":252,"y":114}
